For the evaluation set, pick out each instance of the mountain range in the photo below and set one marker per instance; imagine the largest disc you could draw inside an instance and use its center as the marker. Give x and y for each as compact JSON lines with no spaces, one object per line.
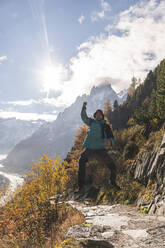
{"x":13,"y":130}
{"x":56,"y":138}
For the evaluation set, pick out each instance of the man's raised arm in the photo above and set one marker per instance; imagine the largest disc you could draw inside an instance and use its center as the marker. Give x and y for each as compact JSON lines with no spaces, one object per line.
{"x":84,"y":116}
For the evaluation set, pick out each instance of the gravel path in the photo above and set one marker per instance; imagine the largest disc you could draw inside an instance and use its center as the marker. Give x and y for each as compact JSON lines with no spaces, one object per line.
{"x":118,"y":226}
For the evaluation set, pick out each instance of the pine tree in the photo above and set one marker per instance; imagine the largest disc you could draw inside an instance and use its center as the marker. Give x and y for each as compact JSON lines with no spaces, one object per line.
{"x":152,"y":106}
{"x":160,"y":96}
{"x":141,"y":116}
{"x":142,"y":99}
{"x":132,"y":87}
{"x":115,"y":105}
{"x":107,"y":108}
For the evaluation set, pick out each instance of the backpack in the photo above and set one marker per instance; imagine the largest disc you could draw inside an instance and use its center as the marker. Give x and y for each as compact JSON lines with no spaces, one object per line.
{"x":105,"y":128}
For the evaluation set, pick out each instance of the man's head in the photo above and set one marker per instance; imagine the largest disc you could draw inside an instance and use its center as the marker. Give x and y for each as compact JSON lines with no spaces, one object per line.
{"x":98,"y":115}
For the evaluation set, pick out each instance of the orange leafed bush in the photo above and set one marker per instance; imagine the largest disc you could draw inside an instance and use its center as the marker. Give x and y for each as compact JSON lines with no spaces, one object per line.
{"x":27,"y":219}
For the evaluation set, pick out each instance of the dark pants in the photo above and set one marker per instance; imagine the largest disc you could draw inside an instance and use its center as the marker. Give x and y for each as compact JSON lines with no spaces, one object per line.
{"x":102,"y":156}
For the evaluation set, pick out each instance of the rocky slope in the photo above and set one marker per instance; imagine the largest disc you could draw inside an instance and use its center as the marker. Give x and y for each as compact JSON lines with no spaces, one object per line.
{"x":150,"y":169}
{"x":115,"y":226}
{"x":56,"y":138}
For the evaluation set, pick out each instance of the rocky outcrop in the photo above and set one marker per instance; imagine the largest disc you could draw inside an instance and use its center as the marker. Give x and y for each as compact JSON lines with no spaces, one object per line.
{"x":116,"y":226}
{"x":150,"y":168}
{"x":150,"y":165}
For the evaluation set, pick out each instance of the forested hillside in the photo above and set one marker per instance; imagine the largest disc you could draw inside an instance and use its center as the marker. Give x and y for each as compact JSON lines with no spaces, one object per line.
{"x":146,"y":104}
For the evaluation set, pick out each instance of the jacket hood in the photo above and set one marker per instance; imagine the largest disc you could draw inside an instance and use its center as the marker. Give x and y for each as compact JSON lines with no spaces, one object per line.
{"x":98,"y":110}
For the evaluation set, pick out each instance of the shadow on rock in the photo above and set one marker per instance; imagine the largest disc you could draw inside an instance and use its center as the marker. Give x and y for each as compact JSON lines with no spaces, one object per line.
{"x":95,"y":243}
{"x":89,"y":192}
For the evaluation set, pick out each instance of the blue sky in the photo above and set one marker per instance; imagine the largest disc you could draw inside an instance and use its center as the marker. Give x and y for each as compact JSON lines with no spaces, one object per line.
{"x":51,"y":51}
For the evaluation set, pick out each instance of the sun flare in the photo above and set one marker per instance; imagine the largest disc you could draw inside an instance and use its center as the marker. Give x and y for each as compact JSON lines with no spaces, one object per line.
{"x":52,"y":77}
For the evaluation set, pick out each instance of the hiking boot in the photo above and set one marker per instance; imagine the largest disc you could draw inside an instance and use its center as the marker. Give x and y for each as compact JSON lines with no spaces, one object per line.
{"x":79,"y":191}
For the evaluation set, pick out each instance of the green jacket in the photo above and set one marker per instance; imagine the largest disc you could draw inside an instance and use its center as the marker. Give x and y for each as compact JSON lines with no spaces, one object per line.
{"x":94,"y":139}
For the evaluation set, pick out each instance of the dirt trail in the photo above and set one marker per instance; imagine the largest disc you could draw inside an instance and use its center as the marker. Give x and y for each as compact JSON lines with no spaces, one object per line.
{"x":118,"y":226}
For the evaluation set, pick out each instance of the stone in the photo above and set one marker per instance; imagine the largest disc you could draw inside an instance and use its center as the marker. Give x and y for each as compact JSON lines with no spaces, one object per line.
{"x":157,"y":198}
{"x":152,"y":209}
{"x":163,"y":142}
{"x":136,"y":233}
{"x":159,"y":203}
{"x":161,"y":210}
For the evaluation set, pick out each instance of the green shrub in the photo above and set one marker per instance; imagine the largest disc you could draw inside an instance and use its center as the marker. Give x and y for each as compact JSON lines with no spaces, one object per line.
{"x":127,"y":202}
{"x":144,"y":210}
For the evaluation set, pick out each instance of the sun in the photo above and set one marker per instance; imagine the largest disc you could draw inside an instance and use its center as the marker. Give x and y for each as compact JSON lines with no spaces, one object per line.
{"x":52,"y":76}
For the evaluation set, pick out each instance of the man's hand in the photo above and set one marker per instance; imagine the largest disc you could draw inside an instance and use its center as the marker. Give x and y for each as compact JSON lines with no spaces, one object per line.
{"x":84,"y":104}
{"x":108,"y":143}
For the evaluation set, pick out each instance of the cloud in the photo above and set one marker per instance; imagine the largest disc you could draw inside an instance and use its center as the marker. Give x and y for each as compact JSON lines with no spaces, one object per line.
{"x":108,"y":28}
{"x":22,"y":103}
{"x":51,"y":101}
{"x":81,"y":19}
{"x":27,"y":116}
{"x":105,"y":8}
{"x":45,"y":109}
{"x":134,"y":46}
{"x":2,"y":58}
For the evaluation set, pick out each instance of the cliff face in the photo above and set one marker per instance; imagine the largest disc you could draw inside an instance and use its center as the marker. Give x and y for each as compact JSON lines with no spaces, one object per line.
{"x":151,"y":165}
{"x":150,"y":169}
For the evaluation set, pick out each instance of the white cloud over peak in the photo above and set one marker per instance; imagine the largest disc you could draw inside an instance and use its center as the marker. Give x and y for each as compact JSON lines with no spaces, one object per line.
{"x":81,"y":19}
{"x":105,"y":8}
{"x":136,"y":46}
{"x":3,"y":58}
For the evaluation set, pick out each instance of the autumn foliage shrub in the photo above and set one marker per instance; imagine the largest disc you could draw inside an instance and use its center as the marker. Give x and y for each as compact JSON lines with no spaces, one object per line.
{"x":127,"y":135}
{"x":26,"y":220}
{"x":73,"y":156}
